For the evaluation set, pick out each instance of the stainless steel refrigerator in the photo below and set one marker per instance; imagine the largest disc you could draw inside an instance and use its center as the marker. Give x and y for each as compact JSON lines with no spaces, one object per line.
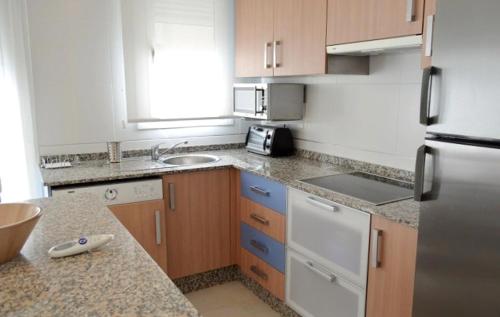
{"x":458,"y":168}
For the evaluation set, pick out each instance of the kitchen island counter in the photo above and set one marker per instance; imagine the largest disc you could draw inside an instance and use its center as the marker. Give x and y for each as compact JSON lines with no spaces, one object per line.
{"x":118,"y":279}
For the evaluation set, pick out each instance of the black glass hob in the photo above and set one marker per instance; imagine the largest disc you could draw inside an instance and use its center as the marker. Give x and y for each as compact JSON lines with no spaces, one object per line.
{"x":371,"y":188}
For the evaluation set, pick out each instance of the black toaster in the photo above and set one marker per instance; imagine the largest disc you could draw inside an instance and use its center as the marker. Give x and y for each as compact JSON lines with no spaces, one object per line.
{"x":271,"y":141}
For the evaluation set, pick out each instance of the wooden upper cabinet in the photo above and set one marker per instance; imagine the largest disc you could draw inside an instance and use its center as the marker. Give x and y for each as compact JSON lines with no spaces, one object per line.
{"x":254,"y":38}
{"x":363,"y":20}
{"x":280,"y":37}
{"x":198,"y":221}
{"x":300,"y":37}
{"x":391,"y":273}
{"x":146,"y":222}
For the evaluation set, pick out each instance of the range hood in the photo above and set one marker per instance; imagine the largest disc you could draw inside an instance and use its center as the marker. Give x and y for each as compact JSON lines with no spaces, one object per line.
{"x":376,"y":46}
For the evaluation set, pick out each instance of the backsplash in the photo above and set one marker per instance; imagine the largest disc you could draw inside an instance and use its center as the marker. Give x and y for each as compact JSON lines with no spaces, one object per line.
{"x":136,"y":153}
{"x":385,"y":171}
{"x":371,"y":118}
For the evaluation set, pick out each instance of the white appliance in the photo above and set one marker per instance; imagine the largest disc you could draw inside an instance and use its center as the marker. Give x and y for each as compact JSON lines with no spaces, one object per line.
{"x":80,"y":245}
{"x":273,"y":101}
{"x":375,"y":46}
{"x":118,"y":192}
{"x":327,"y":257}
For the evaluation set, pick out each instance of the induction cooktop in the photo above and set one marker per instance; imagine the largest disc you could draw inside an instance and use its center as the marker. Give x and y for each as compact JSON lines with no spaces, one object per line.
{"x":371,"y":188}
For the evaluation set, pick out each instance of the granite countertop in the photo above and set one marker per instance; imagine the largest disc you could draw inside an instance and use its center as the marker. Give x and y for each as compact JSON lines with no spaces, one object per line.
{"x":118,"y":279}
{"x":286,"y":170}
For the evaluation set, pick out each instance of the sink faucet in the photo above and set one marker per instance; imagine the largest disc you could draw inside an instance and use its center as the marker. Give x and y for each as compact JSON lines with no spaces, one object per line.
{"x":156,"y":152}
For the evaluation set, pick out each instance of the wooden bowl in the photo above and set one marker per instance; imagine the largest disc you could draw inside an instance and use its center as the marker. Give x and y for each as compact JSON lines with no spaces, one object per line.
{"x":16,"y":223}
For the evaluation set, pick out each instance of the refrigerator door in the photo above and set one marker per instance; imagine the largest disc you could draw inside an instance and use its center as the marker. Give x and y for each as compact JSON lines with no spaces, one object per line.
{"x":463,"y":95}
{"x":458,"y":257}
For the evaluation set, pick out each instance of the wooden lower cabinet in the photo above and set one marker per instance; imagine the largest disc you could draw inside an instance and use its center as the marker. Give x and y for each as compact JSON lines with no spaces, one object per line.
{"x":142,"y":220}
{"x":198,"y":222}
{"x":391,"y":281}
{"x":263,"y":219}
{"x":270,"y":278}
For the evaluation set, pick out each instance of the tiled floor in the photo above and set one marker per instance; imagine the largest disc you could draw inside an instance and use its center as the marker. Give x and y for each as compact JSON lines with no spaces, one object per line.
{"x":230,"y":299}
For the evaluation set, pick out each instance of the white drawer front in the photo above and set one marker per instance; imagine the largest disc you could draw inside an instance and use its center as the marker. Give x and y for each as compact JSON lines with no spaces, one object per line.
{"x":313,"y":291}
{"x":334,"y":235}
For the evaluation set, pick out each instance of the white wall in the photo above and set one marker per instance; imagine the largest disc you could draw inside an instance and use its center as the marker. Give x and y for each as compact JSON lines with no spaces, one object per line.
{"x":370,"y":118}
{"x":80,"y":95}
{"x":79,"y":82}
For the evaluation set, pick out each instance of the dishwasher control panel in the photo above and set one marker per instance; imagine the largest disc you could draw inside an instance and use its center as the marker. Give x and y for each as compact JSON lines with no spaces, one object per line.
{"x":118,"y":193}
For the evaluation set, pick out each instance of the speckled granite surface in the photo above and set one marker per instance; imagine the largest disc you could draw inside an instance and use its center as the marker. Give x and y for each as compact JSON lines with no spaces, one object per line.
{"x":120,"y":279}
{"x":75,"y":158}
{"x":286,"y":170}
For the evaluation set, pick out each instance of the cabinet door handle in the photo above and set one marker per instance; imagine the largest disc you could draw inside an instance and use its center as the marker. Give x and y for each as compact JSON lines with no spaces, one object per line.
{"x":259,"y":272}
{"x":260,"y":219}
{"x":315,"y":202}
{"x":410,"y":10}
{"x":259,"y":191}
{"x":328,"y":276}
{"x":428,"y":35}
{"x":158,"y":226}
{"x":267,"y":65}
{"x":376,"y":250}
{"x":171,"y":196}
{"x":259,"y":246}
{"x":276,"y":63}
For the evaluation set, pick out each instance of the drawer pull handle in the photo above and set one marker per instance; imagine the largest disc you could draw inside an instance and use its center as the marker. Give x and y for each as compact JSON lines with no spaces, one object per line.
{"x":259,"y":272}
{"x":259,"y":191}
{"x":260,"y":219}
{"x":328,"y":276}
{"x":315,"y":202}
{"x":376,"y":250}
{"x":259,"y":246}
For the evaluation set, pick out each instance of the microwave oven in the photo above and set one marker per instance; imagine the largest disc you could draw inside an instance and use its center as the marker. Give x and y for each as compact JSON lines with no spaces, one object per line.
{"x":274,"y":101}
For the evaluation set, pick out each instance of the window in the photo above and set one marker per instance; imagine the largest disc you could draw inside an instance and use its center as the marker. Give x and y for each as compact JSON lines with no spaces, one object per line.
{"x":178,"y":59}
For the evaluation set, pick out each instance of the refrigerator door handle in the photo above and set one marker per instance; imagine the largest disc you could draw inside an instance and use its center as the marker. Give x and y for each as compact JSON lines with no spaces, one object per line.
{"x":425,"y":99}
{"x":420,"y":172}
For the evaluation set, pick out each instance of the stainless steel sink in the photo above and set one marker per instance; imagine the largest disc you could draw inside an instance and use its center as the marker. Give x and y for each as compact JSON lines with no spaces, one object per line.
{"x":190,"y":159}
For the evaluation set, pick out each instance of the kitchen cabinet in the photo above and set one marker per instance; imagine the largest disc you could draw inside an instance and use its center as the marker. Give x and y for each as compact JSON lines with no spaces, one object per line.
{"x":327,"y":256}
{"x":263,"y":219}
{"x":392,"y":269}
{"x":331,"y":234}
{"x":280,"y":37}
{"x":430,"y":12}
{"x":267,"y":276}
{"x":198,"y":217}
{"x":146,"y":222}
{"x":364,"y":20}
{"x":254,"y":38}
{"x":262,"y":208}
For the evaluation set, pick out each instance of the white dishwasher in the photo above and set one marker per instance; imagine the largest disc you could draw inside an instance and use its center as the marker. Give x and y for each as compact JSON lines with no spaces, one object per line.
{"x":138,"y":205}
{"x":117,"y":192}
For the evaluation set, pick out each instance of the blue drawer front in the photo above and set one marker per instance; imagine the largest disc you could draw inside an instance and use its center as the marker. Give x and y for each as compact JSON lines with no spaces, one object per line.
{"x":264,"y":191}
{"x":263,"y":246}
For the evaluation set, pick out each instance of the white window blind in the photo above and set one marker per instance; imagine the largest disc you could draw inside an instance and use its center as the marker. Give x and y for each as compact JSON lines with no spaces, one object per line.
{"x":178,"y":59}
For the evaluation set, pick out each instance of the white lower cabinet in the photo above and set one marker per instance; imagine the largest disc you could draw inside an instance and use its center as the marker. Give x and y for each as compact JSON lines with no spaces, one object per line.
{"x":336,"y":235}
{"x":327,"y":257}
{"x":314,"y":291}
